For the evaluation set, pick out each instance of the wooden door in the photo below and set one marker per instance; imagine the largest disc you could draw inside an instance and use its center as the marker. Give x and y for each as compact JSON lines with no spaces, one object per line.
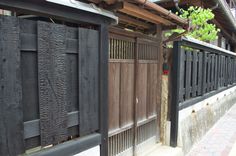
{"x":134,"y":73}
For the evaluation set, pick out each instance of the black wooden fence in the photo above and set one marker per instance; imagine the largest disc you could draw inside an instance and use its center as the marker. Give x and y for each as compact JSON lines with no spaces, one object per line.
{"x":53,"y":82}
{"x":200,"y":70}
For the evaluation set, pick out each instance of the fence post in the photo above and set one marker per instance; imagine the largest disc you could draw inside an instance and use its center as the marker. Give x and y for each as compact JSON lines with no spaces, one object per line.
{"x":175,"y":93}
{"x":103,"y":88}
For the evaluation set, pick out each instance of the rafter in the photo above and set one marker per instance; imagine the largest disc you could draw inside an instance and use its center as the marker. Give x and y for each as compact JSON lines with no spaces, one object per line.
{"x":133,"y":21}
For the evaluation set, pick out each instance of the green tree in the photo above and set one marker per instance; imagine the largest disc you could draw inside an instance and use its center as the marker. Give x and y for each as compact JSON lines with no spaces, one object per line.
{"x":199,"y":19}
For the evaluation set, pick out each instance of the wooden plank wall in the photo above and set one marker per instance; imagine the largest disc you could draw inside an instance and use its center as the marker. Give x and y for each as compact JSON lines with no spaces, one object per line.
{"x":50,"y":84}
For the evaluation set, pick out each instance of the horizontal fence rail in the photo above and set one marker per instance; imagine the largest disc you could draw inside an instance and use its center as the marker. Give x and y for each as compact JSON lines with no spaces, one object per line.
{"x":200,"y":70}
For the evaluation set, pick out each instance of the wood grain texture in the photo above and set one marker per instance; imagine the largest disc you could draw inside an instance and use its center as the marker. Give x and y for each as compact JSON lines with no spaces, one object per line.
{"x":182,"y":75}
{"x":29,"y":85}
{"x":204,"y":72}
{"x":11,"y":111}
{"x":142,"y":91}
{"x":200,"y":71}
{"x":72,"y":83}
{"x":52,"y":83}
{"x":126,"y":94}
{"x":88,"y":80}
{"x":194,"y":74}
{"x":208,"y":78}
{"x":152,"y":89}
{"x":212,"y":71}
{"x":188,"y":74}
{"x":114,"y":95}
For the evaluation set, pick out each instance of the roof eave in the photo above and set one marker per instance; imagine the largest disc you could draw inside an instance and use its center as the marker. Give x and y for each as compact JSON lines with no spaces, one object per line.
{"x":86,"y":7}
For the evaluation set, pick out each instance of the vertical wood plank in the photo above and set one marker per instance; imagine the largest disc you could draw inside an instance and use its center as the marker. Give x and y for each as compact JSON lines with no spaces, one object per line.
{"x":11,"y":111}
{"x":72,"y":85}
{"x":152,"y":89}
{"x":29,"y":85}
{"x":142,"y":91}
{"x":182,"y":74}
{"x":221,"y":70}
{"x":126,"y":93}
{"x":88,"y":80}
{"x":224,"y":70}
{"x":200,"y":72}
{"x":52,"y":90}
{"x":114,"y":95}
{"x":212,"y":70}
{"x":208,"y":73}
{"x":188,"y":74}
{"x":194,"y":74}
{"x":204,"y":72}
{"x":216,"y":73}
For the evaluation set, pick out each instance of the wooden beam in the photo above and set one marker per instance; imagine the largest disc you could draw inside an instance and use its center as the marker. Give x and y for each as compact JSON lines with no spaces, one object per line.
{"x":138,"y":12}
{"x":133,"y":21}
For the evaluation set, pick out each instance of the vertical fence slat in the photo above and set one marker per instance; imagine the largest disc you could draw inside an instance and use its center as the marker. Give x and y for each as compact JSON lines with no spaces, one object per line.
{"x":224,"y":71}
{"x":11,"y":111}
{"x":208,"y":72}
{"x":194,"y":73}
{"x":182,"y":69}
{"x":221,"y":71}
{"x":212,"y":71}
{"x":88,"y":80}
{"x":51,"y":69}
{"x":204,"y":59}
{"x":216,"y":72}
{"x":200,"y":70}
{"x":188,"y":74}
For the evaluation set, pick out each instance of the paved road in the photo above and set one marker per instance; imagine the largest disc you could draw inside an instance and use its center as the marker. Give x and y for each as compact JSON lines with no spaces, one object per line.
{"x":221,"y":138}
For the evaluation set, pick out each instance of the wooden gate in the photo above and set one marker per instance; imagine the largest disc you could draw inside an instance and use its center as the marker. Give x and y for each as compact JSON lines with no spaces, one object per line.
{"x":134,"y":90}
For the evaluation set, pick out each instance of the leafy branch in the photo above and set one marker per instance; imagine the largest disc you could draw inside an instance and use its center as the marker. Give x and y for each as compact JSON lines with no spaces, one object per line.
{"x":199,"y":19}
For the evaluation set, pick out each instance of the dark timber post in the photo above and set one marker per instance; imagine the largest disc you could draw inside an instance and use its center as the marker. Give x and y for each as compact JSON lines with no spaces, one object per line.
{"x":175,"y":93}
{"x":104,"y":89}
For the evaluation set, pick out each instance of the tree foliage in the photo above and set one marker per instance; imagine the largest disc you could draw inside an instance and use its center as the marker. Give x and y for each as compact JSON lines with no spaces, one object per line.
{"x":199,"y":20}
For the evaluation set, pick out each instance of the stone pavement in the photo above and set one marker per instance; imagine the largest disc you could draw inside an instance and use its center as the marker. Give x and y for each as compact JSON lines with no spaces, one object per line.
{"x":220,"y":139}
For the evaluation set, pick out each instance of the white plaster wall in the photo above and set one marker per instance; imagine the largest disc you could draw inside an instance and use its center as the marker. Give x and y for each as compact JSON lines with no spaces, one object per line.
{"x":91,"y":152}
